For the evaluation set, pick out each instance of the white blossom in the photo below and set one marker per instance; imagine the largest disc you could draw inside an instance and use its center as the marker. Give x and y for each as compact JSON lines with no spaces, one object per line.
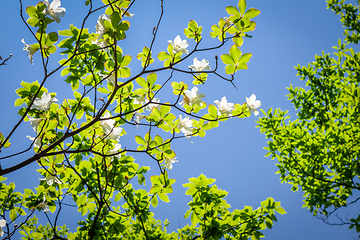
{"x":44,"y":102}
{"x":37,"y":142}
{"x":110,"y":131}
{"x":185,"y":126}
{"x":101,"y":29}
{"x":179,"y":45}
{"x":224,"y":107}
{"x":116,"y":149}
{"x":192,"y":97}
{"x":43,"y":205}
{"x":138,"y":117}
{"x":34,"y":122}
{"x":50,"y":179}
{"x":2,"y":224}
{"x":169,"y":162}
{"x":127,"y":14}
{"x":153,"y":104}
{"x":227,"y":22}
{"x":30,"y":49}
{"x":54,"y":10}
{"x":252,"y":104}
{"x":109,"y":77}
{"x":200,"y":66}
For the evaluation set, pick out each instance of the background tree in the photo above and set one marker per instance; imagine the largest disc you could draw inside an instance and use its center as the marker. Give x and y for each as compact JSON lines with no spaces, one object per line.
{"x":319,"y":151}
{"x":77,"y":141}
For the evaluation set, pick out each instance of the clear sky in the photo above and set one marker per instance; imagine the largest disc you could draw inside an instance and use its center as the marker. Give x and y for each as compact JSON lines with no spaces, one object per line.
{"x":287,"y":33}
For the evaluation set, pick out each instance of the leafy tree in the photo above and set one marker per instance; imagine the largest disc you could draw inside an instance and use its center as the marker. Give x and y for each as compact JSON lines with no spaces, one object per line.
{"x":77,"y":141}
{"x":319,"y":151}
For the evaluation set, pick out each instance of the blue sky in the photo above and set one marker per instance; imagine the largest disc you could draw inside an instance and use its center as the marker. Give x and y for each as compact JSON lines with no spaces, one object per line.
{"x":287,"y":33}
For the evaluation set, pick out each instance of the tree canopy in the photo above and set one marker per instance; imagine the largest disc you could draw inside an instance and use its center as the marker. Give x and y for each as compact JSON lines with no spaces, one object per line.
{"x":318,"y":152}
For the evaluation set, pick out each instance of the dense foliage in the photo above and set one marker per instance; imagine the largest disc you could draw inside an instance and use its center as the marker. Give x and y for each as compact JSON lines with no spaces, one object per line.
{"x":319,"y":151}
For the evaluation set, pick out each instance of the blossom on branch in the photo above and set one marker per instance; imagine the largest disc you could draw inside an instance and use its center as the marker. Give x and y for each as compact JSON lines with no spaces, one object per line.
{"x":185,"y":126}
{"x":34,"y":122}
{"x":101,"y":29}
{"x":224,"y":107}
{"x":43,"y":103}
{"x":30,"y":49}
{"x":110,"y":131}
{"x":116,"y":149}
{"x":252,"y":104}
{"x":50,"y":179}
{"x":2,"y":224}
{"x":200,"y":66}
{"x":43,"y":205}
{"x":192,"y":97}
{"x":169,"y":162}
{"x":37,"y":142}
{"x":54,"y":10}
{"x":179,"y":45}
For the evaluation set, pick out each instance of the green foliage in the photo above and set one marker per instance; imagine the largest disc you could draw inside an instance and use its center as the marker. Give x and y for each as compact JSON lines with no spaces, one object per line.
{"x":319,"y":151}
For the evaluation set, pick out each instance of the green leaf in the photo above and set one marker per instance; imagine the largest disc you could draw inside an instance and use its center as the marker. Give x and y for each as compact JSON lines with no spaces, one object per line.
{"x":162,"y":56}
{"x":235,"y":52}
{"x":245,"y":58}
{"x":13,"y":214}
{"x":251,"y":13}
{"x":141,"y":81}
{"x":151,"y":79}
{"x":33,"y":21}
{"x":31,"y":11}
{"x":53,"y":36}
{"x":227,"y":59}
{"x":232,"y":11}
{"x":212,"y":110}
{"x":154,"y":201}
{"x":230,"y":69}
{"x":242,"y":6}
{"x":115,"y":19}
{"x":163,"y":197}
